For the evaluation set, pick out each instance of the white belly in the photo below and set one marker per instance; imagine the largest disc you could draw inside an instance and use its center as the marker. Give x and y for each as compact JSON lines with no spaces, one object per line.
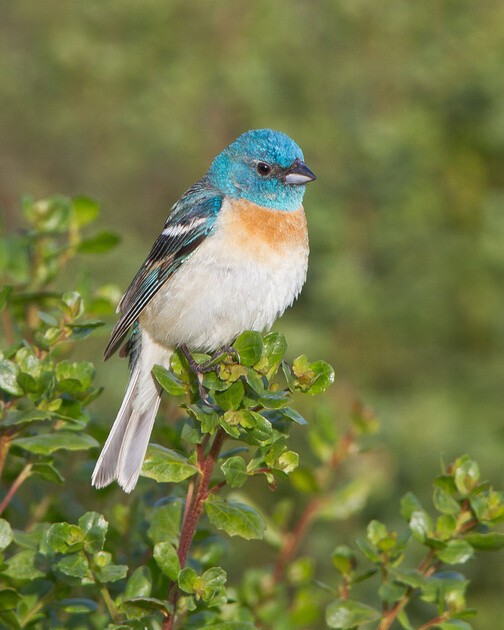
{"x":219,"y":292}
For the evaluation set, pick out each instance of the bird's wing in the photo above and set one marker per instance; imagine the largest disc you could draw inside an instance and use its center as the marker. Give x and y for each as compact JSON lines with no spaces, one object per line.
{"x":190,"y":222}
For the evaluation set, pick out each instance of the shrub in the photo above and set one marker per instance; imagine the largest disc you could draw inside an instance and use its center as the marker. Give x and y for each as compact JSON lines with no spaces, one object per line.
{"x":157,"y":565}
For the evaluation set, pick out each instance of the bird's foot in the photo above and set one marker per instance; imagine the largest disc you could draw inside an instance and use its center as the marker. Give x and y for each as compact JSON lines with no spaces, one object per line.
{"x":199,"y":369}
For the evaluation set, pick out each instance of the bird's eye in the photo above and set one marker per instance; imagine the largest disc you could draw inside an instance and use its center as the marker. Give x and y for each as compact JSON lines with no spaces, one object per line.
{"x":263,"y":169}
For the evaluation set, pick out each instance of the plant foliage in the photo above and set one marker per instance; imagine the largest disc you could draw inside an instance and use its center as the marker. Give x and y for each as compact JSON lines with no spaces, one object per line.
{"x":158,"y":565}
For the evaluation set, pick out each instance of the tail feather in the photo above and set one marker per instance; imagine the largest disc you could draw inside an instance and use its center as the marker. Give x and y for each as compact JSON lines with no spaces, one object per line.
{"x":122,"y":456}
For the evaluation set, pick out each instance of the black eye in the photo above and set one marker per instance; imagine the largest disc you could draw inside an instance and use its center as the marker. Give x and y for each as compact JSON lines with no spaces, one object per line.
{"x":263,"y":169}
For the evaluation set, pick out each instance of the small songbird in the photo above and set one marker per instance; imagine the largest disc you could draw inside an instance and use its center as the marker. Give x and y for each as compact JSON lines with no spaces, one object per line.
{"x":232,"y":256}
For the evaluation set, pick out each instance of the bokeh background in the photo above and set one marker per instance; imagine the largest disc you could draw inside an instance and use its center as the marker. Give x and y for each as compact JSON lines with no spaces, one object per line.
{"x":399,"y":108}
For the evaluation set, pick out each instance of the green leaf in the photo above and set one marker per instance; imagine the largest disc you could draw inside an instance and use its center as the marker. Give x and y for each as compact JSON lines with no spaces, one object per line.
{"x":445,"y":503}
{"x":236,"y":519}
{"x":165,"y":521}
{"x":9,"y":598}
{"x":164,"y":465}
{"x":139,"y":584}
{"x":447,"y":586}
{"x":187,"y":579}
{"x":21,"y":566}
{"x":343,"y":559}
{"x":78,"y":605}
{"x":466,"y":477}
{"x":486,"y":542}
{"x":5,"y":534}
{"x":138,"y":606}
{"x":5,"y":291}
{"x":26,"y":417}
{"x":65,"y":538}
{"x":168,"y":381}
{"x":453,"y":624}
{"x":367,"y":550}
{"x":47,"y":443}
{"x":446,"y":526}
{"x":287,"y":462}
{"x":95,"y":529}
{"x":99,"y":244}
{"x":346,"y":501}
{"x":304,"y":480}
{"x":9,"y":619}
{"x":75,"y":565}
{"x":346,"y":613}
{"x":420,"y":524}
{"x":409,"y":504}
{"x":86,"y":210}
{"x":323,"y":376}
{"x":167,"y":559}
{"x":46,"y":471}
{"x":275,"y":347}
{"x":293,"y":415}
{"x":390,"y":592}
{"x":207,"y":416}
{"x":111,"y":573}
{"x":8,"y":378}
{"x":231,"y":397}
{"x":376,"y":531}
{"x":249,"y":346}
{"x":235,"y":471}
{"x":456,"y":552}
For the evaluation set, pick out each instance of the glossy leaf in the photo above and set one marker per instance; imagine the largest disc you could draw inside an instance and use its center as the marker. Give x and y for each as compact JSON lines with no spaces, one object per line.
{"x":5,"y":534}
{"x":86,"y":210}
{"x":346,"y":613}
{"x":99,"y":244}
{"x":164,"y":465}
{"x":75,"y":565}
{"x":65,"y":538}
{"x":486,"y":542}
{"x":164,"y":522}
{"x":456,"y":552}
{"x":95,"y":529}
{"x":168,"y":381}
{"x":167,"y":559}
{"x":235,"y":471}
{"x":139,"y":584}
{"x":47,"y":443}
{"x":8,"y":378}
{"x":249,"y":346}
{"x":236,"y":519}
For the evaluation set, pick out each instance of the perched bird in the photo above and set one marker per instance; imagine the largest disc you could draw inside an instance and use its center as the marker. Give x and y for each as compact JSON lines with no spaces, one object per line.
{"x":232,"y":256}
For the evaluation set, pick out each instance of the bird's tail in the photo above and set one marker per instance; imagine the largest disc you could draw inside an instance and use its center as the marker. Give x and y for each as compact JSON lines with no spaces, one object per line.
{"x":122,"y":456}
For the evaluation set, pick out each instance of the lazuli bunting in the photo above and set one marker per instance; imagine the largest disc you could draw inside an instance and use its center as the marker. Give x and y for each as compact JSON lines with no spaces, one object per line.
{"x":232,"y":256}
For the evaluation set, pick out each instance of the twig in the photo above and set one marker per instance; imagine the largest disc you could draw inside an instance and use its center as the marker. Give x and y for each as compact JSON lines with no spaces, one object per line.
{"x":195,"y":501}
{"x":109,"y":603}
{"x":25,"y":472}
{"x":293,"y":539}
{"x":7,"y":326}
{"x":5,"y":440}
{"x":424,"y":567}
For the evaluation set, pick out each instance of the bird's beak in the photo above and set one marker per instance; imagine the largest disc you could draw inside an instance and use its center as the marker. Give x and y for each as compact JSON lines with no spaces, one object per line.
{"x":299,"y":173}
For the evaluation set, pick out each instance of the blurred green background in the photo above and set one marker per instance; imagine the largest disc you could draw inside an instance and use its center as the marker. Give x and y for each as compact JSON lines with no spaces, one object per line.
{"x":399,"y":108}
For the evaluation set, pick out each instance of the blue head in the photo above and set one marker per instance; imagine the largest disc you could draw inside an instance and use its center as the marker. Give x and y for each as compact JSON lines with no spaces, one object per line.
{"x":263,"y":166}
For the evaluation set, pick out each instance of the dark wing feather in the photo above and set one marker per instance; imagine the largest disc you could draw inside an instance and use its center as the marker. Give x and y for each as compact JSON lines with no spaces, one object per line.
{"x":190,"y":222}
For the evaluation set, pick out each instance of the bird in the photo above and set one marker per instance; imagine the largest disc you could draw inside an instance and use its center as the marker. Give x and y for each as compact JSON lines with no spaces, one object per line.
{"x":232,"y":256}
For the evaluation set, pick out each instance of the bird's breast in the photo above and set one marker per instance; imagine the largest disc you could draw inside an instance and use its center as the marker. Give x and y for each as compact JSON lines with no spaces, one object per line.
{"x":263,"y":233}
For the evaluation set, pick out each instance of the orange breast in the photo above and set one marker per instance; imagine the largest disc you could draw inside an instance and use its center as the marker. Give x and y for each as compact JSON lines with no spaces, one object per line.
{"x":264,"y":232}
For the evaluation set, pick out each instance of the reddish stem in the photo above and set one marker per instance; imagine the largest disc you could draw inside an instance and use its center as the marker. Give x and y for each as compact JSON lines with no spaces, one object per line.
{"x":192,"y":515}
{"x":293,"y":540}
{"x":25,"y":472}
